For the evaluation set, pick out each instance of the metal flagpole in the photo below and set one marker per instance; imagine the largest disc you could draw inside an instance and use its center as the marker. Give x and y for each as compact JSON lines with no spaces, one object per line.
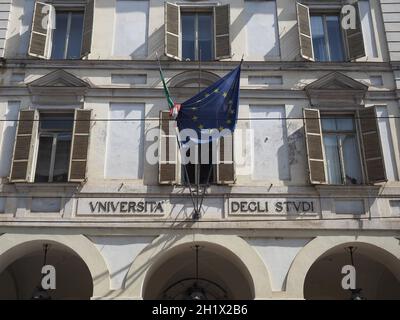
{"x":197,"y":209}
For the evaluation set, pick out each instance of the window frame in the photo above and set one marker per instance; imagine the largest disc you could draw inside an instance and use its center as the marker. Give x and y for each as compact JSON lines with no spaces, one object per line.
{"x":324,"y":13}
{"x":213,"y":177}
{"x":54,"y":133}
{"x":69,"y":10}
{"x":357,"y":135}
{"x":196,"y":11}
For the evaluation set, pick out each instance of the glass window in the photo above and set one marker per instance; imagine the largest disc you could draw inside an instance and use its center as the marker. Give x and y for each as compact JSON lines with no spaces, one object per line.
{"x":203,"y":171}
{"x":327,"y":38}
{"x":67,"y":37}
{"x":55,"y":135}
{"x":197,"y":36}
{"x":343,"y":164}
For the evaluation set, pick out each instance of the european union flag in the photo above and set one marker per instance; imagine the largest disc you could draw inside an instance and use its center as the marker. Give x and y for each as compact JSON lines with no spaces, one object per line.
{"x":216,"y":107}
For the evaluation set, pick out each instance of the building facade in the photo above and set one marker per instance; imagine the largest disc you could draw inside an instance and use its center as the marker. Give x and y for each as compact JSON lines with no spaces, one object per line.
{"x":89,"y":163}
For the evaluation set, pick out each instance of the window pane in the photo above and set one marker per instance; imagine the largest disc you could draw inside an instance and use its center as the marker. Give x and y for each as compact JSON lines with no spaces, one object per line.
{"x":318,"y":38}
{"x":61,"y":163}
{"x":205,"y":36}
{"x":56,"y":121}
{"x":75,"y":36}
{"x":188,"y":36}
{"x":335,"y":38}
{"x":351,"y":160}
{"x":328,"y":124}
{"x":332,"y":159}
{"x":345,"y":124}
{"x":43,"y":159}
{"x":59,"y":35}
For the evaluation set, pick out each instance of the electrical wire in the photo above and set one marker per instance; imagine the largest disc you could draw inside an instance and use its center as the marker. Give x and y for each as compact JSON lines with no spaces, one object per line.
{"x":213,"y":118}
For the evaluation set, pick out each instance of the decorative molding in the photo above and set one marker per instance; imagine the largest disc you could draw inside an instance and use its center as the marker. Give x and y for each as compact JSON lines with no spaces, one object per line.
{"x":59,"y":87}
{"x":188,"y":78}
{"x":336,"y":89}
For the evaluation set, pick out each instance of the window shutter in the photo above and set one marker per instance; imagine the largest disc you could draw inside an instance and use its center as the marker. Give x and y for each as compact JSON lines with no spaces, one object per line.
{"x":87,"y":28}
{"x":315,"y":152}
{"x":226,"y":165}
{"x":371,"y":145}
{"x":168,"y":150}
{"x":354,"y":38}
{"x":21,"y":165}
{"x":305,"y":37}
{"x":40,"y":43}
{"x":222,"y":23}
{"x":80,"y":146}
{"x":172,"y":31}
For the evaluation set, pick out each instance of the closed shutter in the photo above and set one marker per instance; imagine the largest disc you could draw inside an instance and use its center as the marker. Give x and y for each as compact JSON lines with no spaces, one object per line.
{"x":87,"y":28}
{"x":305,"y":37}
{"x":315,"y":152}
{"x":21,"y":166}
{"x":172,"y":31}
{"x":226,"y":165}
{"x":168,"y":150}
{"x":40,"y":43}
{"x":80,"y":146}
{"x":222,"y":23}
{"x":354,"y":39}
{"x":371,"y":145}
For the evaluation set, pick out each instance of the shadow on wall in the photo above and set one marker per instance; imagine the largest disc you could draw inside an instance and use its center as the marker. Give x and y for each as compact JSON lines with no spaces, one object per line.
{"x":288,"y":32}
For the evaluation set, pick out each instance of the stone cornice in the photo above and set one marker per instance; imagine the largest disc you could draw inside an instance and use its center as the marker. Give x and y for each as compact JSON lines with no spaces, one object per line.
{"x":146,"y":92}
{"x":210,"y":66}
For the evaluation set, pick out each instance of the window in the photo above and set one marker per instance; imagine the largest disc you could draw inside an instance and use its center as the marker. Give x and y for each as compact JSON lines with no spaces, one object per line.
{"x":343,"y":164}
{"x":67,"y":37}
{"x":197,"y":36}
{"x":344,"y":148}
{"x":67,"y":33}
{"x":222,"y":172}
{"x":197,"y":32}
{"x":203,"y":171}
{"x":323,"y":39}
{"x":327,"y":38}
{"x":55,"y":135}
{"x":51,"y":146}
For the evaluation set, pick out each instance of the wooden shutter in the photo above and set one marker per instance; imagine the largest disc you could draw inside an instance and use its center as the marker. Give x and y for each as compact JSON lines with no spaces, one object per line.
{"x":222,"y":23}
{"x":21,"y":166}
{"x":172,"y":31}
{"x":40,"y":43}
{"x":371,"y":146}
{"x":305,"y":36}
{"x":226,"y":165}
{"x":80,"y":146}
{"x":315,"y":152}
{"x":168,"y":150}
{"x":354,"y":38}
{"x":87,"y":28}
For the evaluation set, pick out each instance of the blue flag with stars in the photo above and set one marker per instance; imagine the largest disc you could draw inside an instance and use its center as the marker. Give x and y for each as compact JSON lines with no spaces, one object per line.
{"x":216,"y":107}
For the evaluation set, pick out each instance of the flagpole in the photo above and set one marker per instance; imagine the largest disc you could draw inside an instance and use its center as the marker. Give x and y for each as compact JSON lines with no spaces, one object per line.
{"x":199,"y":154}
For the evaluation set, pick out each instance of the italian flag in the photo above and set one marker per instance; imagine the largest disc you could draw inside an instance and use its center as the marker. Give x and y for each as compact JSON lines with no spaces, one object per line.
{"x":173,"y":107}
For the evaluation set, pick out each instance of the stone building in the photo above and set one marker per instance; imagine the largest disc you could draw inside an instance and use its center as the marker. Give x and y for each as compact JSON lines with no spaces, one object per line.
{"x":312,"y":186}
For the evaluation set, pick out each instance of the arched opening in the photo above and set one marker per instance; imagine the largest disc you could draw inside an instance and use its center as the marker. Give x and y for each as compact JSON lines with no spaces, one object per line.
{"x":220,"y":275}
{"x":377,"y":274}
{"x":21,"y":266}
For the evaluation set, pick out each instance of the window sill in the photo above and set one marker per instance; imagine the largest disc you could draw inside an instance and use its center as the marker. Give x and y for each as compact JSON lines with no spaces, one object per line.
{"x":64,"y":187}
{"x":348,"y":190}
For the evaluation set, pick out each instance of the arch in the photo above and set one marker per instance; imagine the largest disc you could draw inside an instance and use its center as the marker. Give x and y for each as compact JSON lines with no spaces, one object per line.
{"x":320,"y":245}
{"x":141,"y":268}
{"x":190,"y":77}
{"x":13,"y":246}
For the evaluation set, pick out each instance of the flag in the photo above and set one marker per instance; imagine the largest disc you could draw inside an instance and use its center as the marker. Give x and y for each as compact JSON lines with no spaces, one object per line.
{"x":216,"y":107}
{"x":173,"y":107}
{"x":166,"y":91}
